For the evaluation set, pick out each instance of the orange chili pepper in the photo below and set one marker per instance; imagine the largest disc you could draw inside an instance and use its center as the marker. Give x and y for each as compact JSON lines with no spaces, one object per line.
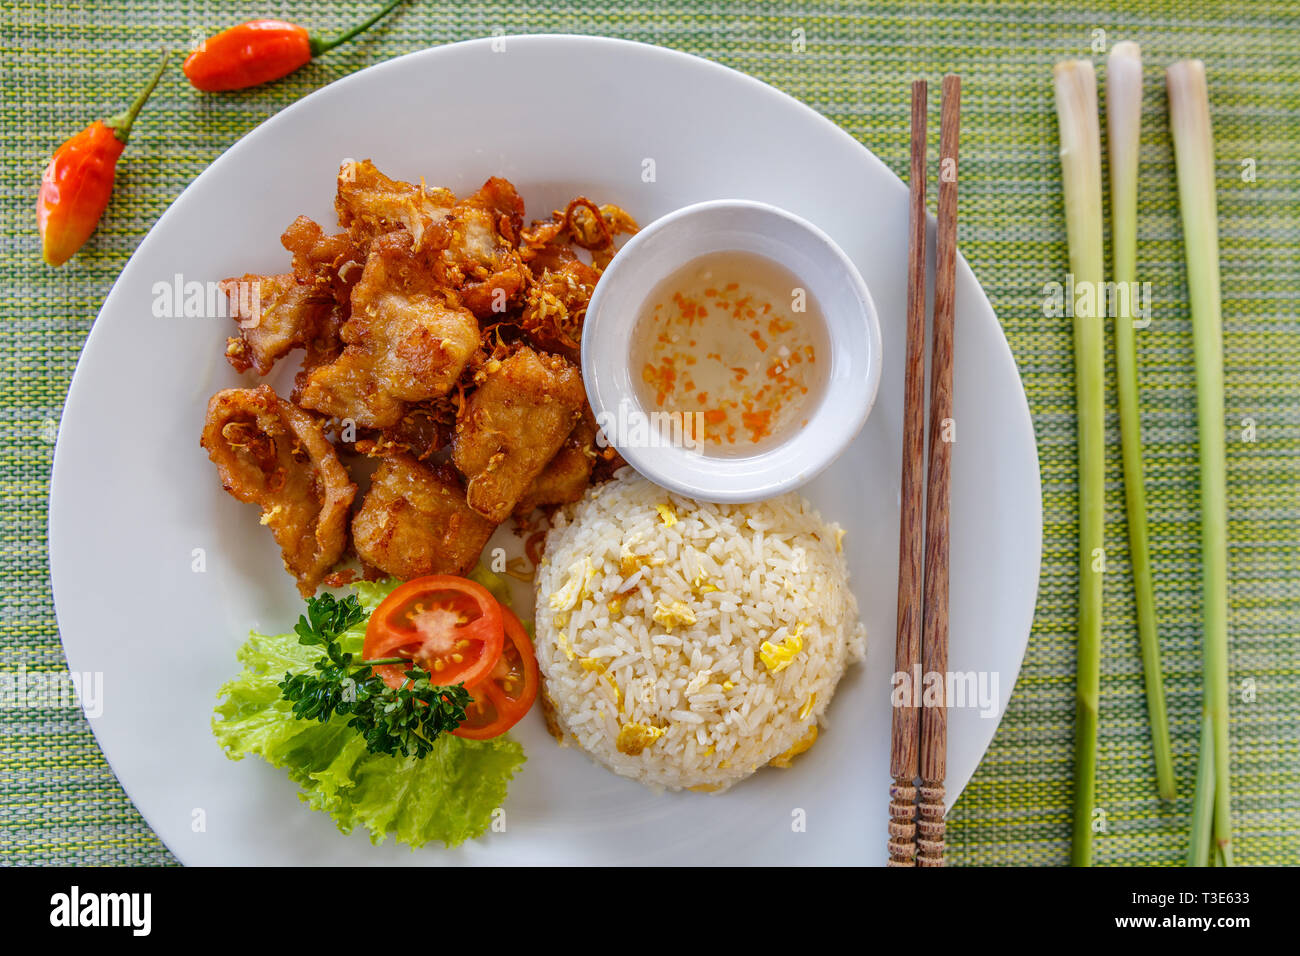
{"x":78,"y":181}
{"x":260,"y":51}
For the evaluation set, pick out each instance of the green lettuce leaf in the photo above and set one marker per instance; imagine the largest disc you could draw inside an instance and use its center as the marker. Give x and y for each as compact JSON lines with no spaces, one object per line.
{"x":448,"y":796}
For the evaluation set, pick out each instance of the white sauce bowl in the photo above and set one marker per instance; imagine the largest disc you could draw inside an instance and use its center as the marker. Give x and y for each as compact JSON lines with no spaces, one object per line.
{"x":829,"y":277}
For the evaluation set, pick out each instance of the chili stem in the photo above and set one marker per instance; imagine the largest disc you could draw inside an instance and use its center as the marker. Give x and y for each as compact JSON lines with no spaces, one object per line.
{"x":121,"y":123}
{"x":319,"y":46}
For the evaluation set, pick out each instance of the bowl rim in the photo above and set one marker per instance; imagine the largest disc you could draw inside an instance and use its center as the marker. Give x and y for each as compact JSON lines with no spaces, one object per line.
{"x":853,"y":382}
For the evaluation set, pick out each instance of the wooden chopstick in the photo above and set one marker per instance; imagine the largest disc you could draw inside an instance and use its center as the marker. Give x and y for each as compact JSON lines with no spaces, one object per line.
{"x":934,"y":639}
{"x":906,"y":724}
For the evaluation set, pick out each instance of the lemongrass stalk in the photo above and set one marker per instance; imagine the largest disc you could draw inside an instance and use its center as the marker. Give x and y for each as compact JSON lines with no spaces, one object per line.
{"x":1123,"y":128}
{"x":1189,"y":116}
{"x":1076,"y":107}
{"x":1199,"y":851}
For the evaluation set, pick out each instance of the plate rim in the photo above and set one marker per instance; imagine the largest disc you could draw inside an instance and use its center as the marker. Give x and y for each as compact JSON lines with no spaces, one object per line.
{"x":60,"y":482}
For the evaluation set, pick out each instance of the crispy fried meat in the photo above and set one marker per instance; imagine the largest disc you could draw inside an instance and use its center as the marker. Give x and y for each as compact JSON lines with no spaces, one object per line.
{"x":513,"y":425}
{"x":276,"y":314}
{"x":414,"y":521}
{"x":404,"y":342}
{"x":330,"y":262}
{"x":566,"y":476}
{"x":555,"y":306}
{"x":478,"y":255}
{"x":432,"y":328}
{"x":370,"y":204}
{"x":273,"y":455}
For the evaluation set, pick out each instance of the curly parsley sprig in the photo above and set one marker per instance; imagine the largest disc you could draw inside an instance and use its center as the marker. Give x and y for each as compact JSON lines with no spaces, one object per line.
{"x":405,"y":720}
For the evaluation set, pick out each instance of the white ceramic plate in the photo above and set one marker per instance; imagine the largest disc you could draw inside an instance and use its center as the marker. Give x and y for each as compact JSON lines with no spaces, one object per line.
{"x":134,"y":496}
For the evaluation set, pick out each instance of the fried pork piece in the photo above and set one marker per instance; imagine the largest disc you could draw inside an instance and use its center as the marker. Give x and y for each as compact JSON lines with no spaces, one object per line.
{"x":472,"y":244}
{"x":302,"y":309}
{"x":276,"y":456}
{"x":370,"y":204}
{"x":478,"y":242}
{"x":565,"y":477}
{"x":556,"y":305}
{"x":323,"y":348}
{"x":276,"y":314}
{"x":512,"y":425}
{"x":414,"y":521}
{"x":424,"y":430}
{"x":330,"y":262}
{"x":403,"y":343}
{"x":548,"y":243}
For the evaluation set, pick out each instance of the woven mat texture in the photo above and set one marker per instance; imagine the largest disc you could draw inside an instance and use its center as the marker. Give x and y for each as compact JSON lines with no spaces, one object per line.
{"x":64,"y":64}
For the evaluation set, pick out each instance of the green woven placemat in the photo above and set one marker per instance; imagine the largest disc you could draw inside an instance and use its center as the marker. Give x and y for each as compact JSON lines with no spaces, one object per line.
{"x":67,"y":63}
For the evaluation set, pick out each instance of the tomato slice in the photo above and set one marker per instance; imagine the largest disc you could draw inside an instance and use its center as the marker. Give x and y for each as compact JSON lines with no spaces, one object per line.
{"x":450,"y":626}
{"x":503,"y":698}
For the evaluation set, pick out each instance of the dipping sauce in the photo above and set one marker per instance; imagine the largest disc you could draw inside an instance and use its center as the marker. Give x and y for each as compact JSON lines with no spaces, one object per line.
{"x":734,"y":344}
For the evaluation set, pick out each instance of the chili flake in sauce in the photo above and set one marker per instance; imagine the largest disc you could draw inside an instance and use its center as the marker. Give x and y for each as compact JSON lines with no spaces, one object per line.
{"x":734,"y":337}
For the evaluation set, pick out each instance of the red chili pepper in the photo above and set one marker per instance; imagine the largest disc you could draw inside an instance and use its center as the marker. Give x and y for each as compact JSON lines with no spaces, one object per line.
{"x":78,"y":181}
{"x":260,"y":51}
